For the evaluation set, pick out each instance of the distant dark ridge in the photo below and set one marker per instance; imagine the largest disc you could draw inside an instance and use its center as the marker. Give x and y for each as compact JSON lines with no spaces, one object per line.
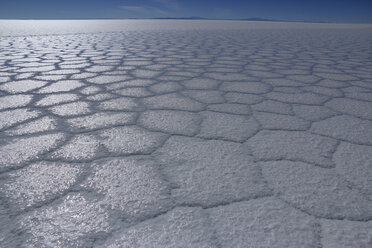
{"x":181,"y":18}
{"x":256,"y":19}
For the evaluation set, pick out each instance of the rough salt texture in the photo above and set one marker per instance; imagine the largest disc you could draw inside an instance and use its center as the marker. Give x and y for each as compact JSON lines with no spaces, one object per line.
{"x":132,"y":185}
{"x":317,"y":191}
{"x":210,"y":173}
{"x":345,"y":234}
{"x":266,"y":222}
{"x":38,"y":183}
{"x":138,"y":133}
{"x":181,"y":227}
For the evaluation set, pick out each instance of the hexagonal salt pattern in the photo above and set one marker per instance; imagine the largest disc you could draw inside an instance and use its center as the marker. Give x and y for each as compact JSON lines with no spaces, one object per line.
{"x":133,"y":185}
{"x":317,"y":191}
{"x":38,"y":183}
{"x":181,"y":227}
{"x":265,"y":222}
{"x":210,"y":173}
{"x":345,"y":234}
{"x":72,"y":222}
{"x":191,"y":134}
{"x":20,"y":150}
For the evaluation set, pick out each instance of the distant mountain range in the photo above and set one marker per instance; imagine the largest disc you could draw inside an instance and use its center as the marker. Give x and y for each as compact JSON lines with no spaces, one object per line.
{"x":180,"y":18}
{"x":255,"y":19}
{"x":202,"y":18}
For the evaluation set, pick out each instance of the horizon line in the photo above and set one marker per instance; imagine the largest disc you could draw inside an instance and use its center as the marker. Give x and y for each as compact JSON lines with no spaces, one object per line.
{"x":190,"y":19}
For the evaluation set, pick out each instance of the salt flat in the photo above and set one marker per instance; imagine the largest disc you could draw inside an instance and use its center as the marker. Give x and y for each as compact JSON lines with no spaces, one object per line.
{"x":145,"y":133}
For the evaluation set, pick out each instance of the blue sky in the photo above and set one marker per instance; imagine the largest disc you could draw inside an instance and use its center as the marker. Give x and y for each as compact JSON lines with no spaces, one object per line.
{"x":349,"y":11}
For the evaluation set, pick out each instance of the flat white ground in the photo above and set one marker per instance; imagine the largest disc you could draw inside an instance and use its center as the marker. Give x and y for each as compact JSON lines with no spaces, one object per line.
{"x":185,"y":134}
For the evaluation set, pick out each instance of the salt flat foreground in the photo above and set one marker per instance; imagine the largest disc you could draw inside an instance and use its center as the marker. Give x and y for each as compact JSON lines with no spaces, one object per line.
{"x":185,"y":134}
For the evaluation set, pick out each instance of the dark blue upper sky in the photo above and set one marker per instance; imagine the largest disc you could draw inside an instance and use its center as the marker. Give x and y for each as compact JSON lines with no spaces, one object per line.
{"x":349,"y":11}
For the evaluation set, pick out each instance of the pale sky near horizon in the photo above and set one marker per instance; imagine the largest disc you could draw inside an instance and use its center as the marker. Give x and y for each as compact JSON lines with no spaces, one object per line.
{"x":347,"y":11}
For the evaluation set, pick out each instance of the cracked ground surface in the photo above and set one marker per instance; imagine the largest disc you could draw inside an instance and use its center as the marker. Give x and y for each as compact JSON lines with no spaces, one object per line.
{"x":200,"y":134}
